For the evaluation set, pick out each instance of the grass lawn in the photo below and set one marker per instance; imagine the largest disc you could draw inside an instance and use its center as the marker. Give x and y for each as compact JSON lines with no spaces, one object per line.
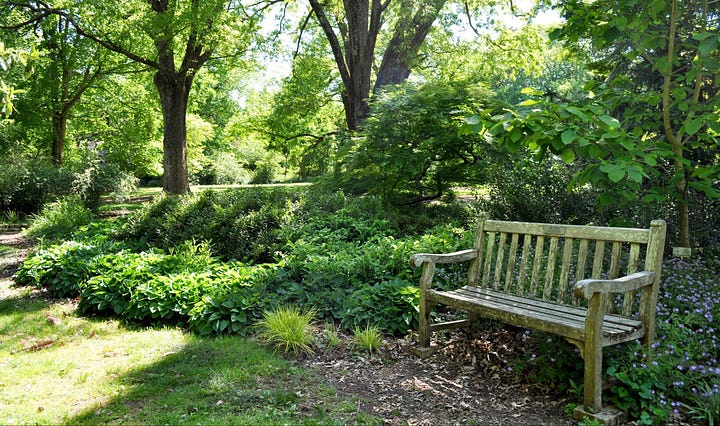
{"x":61,"y":368}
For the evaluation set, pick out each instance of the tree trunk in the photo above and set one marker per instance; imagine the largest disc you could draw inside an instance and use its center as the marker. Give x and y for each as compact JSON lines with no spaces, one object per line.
{"x":174,"y":91}
{"x":410,"y":33}
{"x":359,"y":36}
{"x":676,"y":140}
{"x":59,"y":121}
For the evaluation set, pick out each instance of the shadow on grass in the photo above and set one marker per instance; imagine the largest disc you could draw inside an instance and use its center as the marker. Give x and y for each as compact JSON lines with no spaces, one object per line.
{"x":225,"y":380}
{"x":24,"y":301}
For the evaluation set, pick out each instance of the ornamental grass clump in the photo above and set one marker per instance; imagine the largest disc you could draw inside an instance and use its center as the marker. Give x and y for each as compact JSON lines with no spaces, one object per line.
{"x":288,"y":329}
{"x":368,"y":338}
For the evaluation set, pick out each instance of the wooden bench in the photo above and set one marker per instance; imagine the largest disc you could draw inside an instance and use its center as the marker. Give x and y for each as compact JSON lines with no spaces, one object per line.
{"x":595,"y":286}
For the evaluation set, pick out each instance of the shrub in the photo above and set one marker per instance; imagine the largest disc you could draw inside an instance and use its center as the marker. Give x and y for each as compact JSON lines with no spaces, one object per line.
{"x":412,"y":149}
{"x":59,"y":219}
{"x":26,"y":185}
{"x":533,"y":190}
{"x":237,"y":224}
{"x":390,"y":305}
{"x":95,"y":178}
{"x":61,"y":269}
{"x":287,"y":329}
{"x":235,"y":302}
{"x":111,"y":291}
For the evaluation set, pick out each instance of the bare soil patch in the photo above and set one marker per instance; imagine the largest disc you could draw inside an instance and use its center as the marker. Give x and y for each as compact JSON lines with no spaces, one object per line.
{"x":20,"y":245}
{"x":465,"y":382}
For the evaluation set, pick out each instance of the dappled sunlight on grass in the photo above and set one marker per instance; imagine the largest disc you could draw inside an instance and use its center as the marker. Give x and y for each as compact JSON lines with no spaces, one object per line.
{"x":59,"y":367}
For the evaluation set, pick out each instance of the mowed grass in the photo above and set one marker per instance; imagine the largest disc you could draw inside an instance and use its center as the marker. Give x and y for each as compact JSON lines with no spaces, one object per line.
{"x":59,"y":368}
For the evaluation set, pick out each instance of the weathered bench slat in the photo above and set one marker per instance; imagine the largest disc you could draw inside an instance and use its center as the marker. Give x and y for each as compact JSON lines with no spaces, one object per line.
{"x":633,"y":260}
{"x":537,"y":263}
{"x":550,"y":268}
{"x":547,"y":320}
{"x":512,"y":256}
{"x":529,"y":287}
{"x":571,"y":316}
{"x":630,"y":235}
{"x":499,"y":260}
{"x":565,"y":271}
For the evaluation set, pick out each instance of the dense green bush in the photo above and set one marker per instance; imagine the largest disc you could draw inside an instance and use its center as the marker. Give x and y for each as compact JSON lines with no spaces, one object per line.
{"x":411,"y":148}
{"x":27,"y":184}
{"x":95,"y":178}
{"x":61,"y":269}
{"x":533,"y":190}
{"x":238,"y":224}
{"x":391,"y":306}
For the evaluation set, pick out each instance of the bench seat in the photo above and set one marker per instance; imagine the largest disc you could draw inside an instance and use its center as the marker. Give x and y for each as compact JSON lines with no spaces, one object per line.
{"x":563,"y":320}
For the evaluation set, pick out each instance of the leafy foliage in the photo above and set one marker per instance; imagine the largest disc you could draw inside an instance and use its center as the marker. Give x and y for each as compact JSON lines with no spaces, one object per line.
{"x":59,"y":219}
{"x":251,"y":217}
{"x":26,"y":185}
{"x":61,"y":269}
{"x":411,"y":149}
{"x":390,"y":305}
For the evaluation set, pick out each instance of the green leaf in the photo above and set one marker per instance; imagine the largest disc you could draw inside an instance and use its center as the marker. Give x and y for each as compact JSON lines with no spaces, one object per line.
{"x":611,"y":122}
{"x":531,"y":91}
{"x":708,"y":44}
{"x":615,"y":172}
{"x":568,"y":136}
{"x":578,"y":113}
{"x":692,"y":126}
{"x":568,"y":155}
{"x":472,"y":119}
{"x":528,"y":102}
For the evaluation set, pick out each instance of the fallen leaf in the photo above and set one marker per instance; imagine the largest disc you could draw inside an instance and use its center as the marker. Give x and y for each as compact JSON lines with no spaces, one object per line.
{"x":52,"y":319}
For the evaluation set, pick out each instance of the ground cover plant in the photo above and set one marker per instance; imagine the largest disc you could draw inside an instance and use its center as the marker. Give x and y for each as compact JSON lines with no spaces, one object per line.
{"x":346,"y":260}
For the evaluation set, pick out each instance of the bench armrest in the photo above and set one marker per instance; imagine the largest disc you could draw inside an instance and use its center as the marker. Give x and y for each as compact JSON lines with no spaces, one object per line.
{"x":454,"y":257}
{"x":586,"y":288}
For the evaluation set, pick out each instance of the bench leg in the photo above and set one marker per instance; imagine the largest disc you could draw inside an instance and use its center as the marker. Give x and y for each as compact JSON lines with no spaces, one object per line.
{"x":424,"y":325}
{"x":593,"y":375}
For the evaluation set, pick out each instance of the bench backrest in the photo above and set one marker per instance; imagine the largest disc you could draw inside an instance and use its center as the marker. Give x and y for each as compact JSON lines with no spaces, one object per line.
{"x":544,"y":261}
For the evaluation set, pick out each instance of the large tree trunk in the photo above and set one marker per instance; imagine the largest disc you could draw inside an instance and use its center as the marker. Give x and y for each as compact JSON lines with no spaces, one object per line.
{"x":59,"y":121}
{"x":355,"y":55}
{"x":410,"y":33}
{"x":174,"y":91}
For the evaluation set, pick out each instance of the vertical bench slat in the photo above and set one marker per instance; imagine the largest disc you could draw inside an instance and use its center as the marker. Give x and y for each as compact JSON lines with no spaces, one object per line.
{"x":633,"y":262}
{"x":488,"y":259}
{"x":550,"y":268}
{"x":564,"y":280}
{"x":524,"y":265}
{"x":598,"y":260}
{"x":537,"y":263}
{"x":499,"y":261}
{"x":478,"y":243}
{"x":512,"y":255}
{"x":582,"y":260}
{"x":614,"y":270}
{"x":615,"y":260}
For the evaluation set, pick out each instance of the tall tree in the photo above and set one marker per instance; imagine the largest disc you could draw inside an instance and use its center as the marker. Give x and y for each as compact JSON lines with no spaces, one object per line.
{"x":172,"y":38}
{"x":649,"y":124}
{"x":659,"y":61}
{"x":70,"y":65}
{"x":354,"y":42}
